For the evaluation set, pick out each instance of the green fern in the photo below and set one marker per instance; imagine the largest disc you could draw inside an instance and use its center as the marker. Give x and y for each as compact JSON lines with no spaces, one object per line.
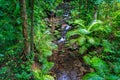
{"x":92,"y":76}
{"x":102,"y":70}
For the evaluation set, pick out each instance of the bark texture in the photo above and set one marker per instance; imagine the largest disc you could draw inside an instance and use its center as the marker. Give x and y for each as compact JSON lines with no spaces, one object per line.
{"x":32,"y":26}
{"x":26,"y":49}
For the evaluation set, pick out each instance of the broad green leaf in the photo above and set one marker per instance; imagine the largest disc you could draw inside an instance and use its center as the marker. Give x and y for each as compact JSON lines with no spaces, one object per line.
{"x":37,"y":74}
{"x":91,"y":40}
{"x":48,"y":77}
{"x":98,"y":1}
{"x":95,"y":22}
{"x":73,"y":41}
{"x":71,"y":33}
{"x":81,"y":40}
{"x":84,"y":31}
{"x":82,"y":49}
{"x":87,"y":60}
{"x":47,"y":66}
{"x":47,"y":52}
{"x":79,"y":22}
{"x":92,"y":76}
{"x":17,"y":8}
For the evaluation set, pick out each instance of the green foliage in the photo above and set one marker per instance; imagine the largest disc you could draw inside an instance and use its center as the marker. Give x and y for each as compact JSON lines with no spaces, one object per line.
{"x":43,"y":41}
{"x":12,"y":67}
{"x":23,"y":75}
{"x":102,"y":70}
{"x":44,"y":46}
{"x":87,"y":37}
{"x":98,"y":40}
{"x":11,"y":43}
{"x":39,"y":76}
{"x":111,"y":43}
{"x":107,"y":46}
{"x":99,"y":65}
{"x":92,"y":76}
{"x":115,"y":67}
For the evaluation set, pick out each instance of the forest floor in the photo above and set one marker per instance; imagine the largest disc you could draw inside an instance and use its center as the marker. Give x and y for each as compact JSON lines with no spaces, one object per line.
{"x":68,"y":64}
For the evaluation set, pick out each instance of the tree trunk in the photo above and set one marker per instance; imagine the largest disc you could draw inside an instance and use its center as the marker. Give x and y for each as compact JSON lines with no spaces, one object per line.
{"x":32,"y":26}
{"x":26,"y":48}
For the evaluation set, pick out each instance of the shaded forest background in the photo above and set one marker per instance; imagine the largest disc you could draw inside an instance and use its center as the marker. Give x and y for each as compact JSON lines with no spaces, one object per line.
{"x":28,"y":33}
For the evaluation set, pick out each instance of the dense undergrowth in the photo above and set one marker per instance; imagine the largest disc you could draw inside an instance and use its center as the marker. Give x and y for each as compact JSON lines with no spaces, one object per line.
{"x":96,"y":23}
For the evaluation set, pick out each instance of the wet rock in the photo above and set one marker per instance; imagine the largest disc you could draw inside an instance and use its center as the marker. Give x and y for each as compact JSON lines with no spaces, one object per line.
{"x":64,"y":76}
{"x":67,"y":75}
{"x":73,"y":75}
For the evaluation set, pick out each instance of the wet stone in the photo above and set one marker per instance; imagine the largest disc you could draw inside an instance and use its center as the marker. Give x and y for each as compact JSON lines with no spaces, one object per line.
{"x":67,"y":75}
